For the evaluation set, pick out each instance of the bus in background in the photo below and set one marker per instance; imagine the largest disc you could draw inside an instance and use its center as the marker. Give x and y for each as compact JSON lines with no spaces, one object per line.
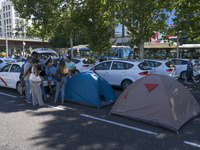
{"x":122,"y":52}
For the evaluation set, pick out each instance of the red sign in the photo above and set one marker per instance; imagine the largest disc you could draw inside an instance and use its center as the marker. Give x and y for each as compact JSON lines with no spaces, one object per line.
{"x":24,"y":43}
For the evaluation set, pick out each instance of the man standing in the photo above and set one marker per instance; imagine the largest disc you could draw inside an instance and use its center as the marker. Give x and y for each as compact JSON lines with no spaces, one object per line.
{"x":50,"y":71}
{"x":26,"y":75}
{"x":189,"y":71}
{"x":70,"y":64}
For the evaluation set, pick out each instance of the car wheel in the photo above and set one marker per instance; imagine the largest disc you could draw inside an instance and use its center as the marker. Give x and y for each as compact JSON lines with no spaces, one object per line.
{"x":18,"y":87}
{"x":76,"y":71}
{"x":183,"y":75}
{"x":126,"y":83}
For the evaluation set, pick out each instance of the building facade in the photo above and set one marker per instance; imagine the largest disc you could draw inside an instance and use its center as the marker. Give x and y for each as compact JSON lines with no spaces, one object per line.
{"x":10,"y":18}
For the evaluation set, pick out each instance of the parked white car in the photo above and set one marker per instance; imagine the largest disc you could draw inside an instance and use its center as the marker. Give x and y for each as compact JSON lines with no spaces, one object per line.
{"x":120,"y":72}
{"x":162,"y":67}
{"x":10,"y":74}
{"x":4,"y":61}
{"x":83,"y":64}
{"x":181,"y":67}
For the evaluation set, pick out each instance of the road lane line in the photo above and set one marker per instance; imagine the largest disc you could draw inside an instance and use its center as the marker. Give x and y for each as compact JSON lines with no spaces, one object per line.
{"x":8,"y":95}
{"x":192,"y":144}
{"x":119,"y":124}
{"x":56,"y":107}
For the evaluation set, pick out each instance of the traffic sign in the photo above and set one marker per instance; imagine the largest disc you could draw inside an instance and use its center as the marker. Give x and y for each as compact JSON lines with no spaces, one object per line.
{"x":24,"y":43}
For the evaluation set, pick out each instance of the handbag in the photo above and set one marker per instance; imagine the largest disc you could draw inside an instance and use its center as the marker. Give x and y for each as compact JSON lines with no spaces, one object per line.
{"x":57,"y":76}
{"x":33,"y":77}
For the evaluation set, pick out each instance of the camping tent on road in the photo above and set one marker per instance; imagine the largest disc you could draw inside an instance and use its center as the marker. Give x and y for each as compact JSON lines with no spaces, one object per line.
{"x":89,"y":89}
{"x":159,"y":100}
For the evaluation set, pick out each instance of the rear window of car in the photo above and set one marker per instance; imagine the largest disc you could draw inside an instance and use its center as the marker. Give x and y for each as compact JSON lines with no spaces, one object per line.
{"x":76,"y":61}
{"x":169,"y":64}
{"x":88,"y":61}
{"x":144,"y":66}
{"x":128,"y":66}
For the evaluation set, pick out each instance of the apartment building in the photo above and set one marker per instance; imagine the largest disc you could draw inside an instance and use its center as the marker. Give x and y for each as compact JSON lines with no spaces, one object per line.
{"x":10,"y":18}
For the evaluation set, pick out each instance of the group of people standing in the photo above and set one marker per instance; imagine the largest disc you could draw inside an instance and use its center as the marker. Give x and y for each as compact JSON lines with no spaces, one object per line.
{"x":34,"y":87}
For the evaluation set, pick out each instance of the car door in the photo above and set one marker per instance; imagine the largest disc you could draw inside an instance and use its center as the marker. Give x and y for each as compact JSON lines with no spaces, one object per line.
{"x":117,"y":73}
{"x":4,"y":75}
{"x":13,"y":75}
{"x":103,"y":69}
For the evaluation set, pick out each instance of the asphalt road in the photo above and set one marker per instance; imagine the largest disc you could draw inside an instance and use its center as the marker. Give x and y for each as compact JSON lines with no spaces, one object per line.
{"x":67,"y":127}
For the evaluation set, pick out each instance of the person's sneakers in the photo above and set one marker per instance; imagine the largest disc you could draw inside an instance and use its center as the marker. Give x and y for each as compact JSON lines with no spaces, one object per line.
{"x":186,"y":82}
{"x":29,"y":102}
{"x":21,"y":96}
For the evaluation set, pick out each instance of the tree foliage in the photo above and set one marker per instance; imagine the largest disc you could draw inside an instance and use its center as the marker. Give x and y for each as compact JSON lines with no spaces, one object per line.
{"x":97,"y":21}
{"x":187,"y":18}
{"x":142,"y":18}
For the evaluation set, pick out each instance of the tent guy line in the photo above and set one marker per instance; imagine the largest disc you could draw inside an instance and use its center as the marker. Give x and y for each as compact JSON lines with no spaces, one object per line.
{"x":119,"y":124}
{"x":192,"y":144}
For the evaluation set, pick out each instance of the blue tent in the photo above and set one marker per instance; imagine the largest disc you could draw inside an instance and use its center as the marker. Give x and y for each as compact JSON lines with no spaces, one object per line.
{"x":87,"y":88}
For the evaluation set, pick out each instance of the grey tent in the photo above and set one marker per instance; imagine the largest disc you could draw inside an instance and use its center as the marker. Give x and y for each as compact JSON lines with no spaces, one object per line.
{"x":159,"y":100}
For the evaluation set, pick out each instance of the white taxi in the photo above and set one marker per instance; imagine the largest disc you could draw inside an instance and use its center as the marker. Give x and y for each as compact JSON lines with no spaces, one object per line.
{"x":122,"y":72}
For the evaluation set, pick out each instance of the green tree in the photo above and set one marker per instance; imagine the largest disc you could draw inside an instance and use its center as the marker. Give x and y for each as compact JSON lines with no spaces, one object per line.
{"x":97,"y":21}
{"x":50,"y":15}
{"x":142,"y":18}
{"x":31,"y":31}
{"x":187,"y":18}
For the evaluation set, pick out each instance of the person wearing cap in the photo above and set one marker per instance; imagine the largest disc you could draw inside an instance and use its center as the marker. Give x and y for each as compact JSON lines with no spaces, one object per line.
{"x":189,"y":71}
{"x":70,"y":64}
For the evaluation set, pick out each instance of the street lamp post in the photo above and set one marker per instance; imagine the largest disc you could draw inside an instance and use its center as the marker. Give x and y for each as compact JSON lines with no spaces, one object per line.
{"x":6,"y":29}
{"x":177,"y":46}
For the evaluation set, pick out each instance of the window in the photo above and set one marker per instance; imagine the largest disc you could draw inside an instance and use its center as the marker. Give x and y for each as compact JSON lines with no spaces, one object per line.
{"x":4,"y":15}
{"x":151,"y":63}
{"x":157,"y":64}
{"x":3,"y":8}
{"x":15,"y":68}
{"x":10,"y":21}
{"x":118,"y":66}
{"x":16,"y":20}
{"x":184,"y":62}
{"x":179,"y":62}
{"x":6,"y":68}
{"x":9,"y":14}
{"x":128,"y":66}
{"x":8,"y":7}
{"x":103,"y":66}
{"x":88,"y":61}
{"x":16,"y":14}
{"x":0,"y":23}
{"x":1,"y":61}
{"x":144,"y":66}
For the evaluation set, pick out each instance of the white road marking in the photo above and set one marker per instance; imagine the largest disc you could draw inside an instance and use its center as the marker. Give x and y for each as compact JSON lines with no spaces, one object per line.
{"x":193,"y":144}
{"x":56,"y":108}
{"x":119,"y":124}
{"x":8,"y":95}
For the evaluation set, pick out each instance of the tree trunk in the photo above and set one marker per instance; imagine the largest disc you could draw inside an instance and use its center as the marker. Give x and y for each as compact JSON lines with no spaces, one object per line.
{"x":71,"y":44}
{"x":141,"y":49}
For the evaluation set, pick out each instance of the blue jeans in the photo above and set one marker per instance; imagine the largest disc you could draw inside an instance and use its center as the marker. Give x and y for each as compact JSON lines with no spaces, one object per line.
{"x":43,"y":91}
{"x":27,"y":91}
{"x":60,"y":86}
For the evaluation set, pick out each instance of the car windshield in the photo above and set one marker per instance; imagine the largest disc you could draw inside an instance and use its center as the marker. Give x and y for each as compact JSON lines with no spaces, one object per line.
{"x":88,"y":61}
{"x":144,"y":66}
